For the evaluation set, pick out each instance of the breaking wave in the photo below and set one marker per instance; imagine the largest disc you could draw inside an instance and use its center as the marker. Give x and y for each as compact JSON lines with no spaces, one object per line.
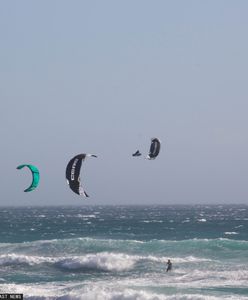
{"x":104,"y":261}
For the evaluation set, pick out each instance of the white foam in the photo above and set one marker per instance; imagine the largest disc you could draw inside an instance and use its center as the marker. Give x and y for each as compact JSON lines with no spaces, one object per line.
{"x":86,"y":216}
{"x":231,"y":232}
{"x":176,"y":260}
{"x":186,"y":221}
{"x":211,"y":279}
{"x":16,"y":259}
{"x":101,"y":261}
{"x":202,"y":220}
{"x":152,"y":221}
{"x":102,"y":291}
{"x":126,"y":294}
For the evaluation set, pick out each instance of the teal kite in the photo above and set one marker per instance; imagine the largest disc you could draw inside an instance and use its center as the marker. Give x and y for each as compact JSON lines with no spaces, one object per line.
{"x":36,"y":177}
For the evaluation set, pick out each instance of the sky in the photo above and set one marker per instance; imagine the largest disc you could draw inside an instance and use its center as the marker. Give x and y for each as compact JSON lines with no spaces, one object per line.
{"x":104,"y":77}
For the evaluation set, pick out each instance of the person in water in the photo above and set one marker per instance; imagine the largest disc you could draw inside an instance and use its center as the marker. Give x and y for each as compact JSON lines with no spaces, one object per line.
{"x":169,"y":265}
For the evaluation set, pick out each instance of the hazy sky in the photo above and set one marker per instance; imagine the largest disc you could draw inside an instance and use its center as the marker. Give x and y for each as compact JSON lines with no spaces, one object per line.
{"x":103,"y":77}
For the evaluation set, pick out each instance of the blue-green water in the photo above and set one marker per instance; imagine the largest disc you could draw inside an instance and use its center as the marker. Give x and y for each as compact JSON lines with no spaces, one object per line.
{"x":120,"y":252}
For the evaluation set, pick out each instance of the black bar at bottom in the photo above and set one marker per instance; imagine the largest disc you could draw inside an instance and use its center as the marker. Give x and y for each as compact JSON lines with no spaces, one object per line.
{"x":11,"y":296}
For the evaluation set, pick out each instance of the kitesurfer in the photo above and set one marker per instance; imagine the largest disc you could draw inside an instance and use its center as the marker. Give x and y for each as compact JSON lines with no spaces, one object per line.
{"x":169,"y":265}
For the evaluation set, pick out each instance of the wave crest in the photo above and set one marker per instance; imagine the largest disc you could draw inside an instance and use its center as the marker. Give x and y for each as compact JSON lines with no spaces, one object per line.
{"x":99,"y":261}
{"x":103,"y":261}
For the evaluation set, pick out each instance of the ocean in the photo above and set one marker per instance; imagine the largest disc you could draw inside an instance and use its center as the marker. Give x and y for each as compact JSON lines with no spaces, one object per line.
{"x":120,"y":252}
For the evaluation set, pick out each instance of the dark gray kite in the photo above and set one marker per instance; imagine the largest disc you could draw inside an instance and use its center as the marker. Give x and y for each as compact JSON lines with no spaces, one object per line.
{"x":73,"y":173}
{"x":154,"y":148}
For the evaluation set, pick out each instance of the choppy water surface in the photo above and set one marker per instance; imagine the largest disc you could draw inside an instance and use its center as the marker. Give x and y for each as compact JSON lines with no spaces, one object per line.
{"x":120,"y":252}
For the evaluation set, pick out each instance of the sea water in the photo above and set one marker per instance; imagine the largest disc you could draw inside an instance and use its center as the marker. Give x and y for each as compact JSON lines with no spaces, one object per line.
{"x":120,"y":252}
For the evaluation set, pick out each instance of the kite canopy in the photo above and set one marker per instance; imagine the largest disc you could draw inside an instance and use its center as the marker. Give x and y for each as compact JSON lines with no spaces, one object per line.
{"x":36,"y":177}
{"x":154,"y":148}
{"x":73,"y":173}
